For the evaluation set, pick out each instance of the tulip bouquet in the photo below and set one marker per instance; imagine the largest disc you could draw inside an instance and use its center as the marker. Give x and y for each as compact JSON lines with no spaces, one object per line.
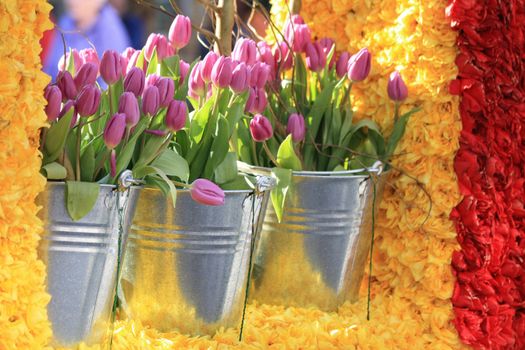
{"x":303,"y":120}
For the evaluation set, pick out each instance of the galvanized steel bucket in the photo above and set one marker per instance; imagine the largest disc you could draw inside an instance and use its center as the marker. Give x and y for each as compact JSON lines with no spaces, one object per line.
{"x":316,"y":255}
{"x":81,"y":258}
{"x":186,"y":267}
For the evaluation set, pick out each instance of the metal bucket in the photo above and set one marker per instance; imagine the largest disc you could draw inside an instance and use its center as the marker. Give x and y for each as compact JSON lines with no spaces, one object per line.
{"x":316,"y":255}
{"x":81,"y":258}
{"x":186,"y":267}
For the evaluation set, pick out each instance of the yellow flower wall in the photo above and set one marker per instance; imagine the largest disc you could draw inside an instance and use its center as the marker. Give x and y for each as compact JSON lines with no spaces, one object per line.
{"x":23,"y":319}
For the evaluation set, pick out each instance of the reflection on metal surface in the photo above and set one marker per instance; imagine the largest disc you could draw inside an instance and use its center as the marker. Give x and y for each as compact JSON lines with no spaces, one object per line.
{"x":81,"y":259}
{"x":186,"y":267}
{"x":316,"y":255}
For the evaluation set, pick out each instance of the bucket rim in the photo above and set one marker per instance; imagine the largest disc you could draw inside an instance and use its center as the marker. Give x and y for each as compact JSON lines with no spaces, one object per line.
{"x":187,"y":190}
{"x":109,"y":186}
{"x":341,"y":174}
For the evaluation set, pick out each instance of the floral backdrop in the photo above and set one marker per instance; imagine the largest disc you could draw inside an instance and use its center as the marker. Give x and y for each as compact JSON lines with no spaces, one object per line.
{"x":415,"y":297}
{"x":490,"y":290}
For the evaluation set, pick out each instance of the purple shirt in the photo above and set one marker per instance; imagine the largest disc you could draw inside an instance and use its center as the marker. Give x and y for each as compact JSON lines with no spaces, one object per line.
{"x":107,"y":33}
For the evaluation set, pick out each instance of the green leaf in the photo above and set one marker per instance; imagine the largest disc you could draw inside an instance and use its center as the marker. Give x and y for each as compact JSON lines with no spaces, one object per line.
{"x":235,"y":111}
{"x":87,"y":164}
{"x":169,"y":67}
{"x":299,"y":82}
{"x":126,"y":153}
{"x":278,"y":194}
{"x":286,"y":157}
{"x":219,"y":147}
{"x":199,"y":121}
{"x":240,"y":182}
{"x":56,"y":137}
{"x":172,"y":164}
{"x":80,"y":198}
{"x":140,"y":60}
{"x":227,"y":170}
{"x":152,"y":66}
{"x":398,"y":132}
{"x":54,"y":171}
{"x":70,"y":64}
{"x":173,"y":189}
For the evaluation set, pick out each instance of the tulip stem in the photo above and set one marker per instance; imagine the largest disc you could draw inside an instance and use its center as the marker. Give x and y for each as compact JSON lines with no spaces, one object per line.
{"x":396,"y":111}
{"x":79,"y":139}
{"x":254,"y":154}
{"x":181,"y":184}
{"x":269,"y":153}
{"x":110,"y":100}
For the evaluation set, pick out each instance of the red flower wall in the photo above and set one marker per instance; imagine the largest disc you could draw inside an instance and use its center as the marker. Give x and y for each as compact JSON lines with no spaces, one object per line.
{"x":489,"y":295}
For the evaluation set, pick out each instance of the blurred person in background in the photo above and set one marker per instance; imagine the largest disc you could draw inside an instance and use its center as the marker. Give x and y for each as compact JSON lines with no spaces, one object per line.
{"x":86,"y":22}
{"x":132,"y":21}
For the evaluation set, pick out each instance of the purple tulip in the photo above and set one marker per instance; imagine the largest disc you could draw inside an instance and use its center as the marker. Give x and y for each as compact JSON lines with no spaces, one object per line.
{"x":89,"y":56}
{"x":129,"y":106}
{"x":176,"y":115}
{"x":298,"y":35}
{"x":150,"y":101}
{"x":134,"y":81}
{"x":88,"y":101}
{"x":359,"y":65}
{"x":184,"y":68}
{"x":296,"y":19}
{"x":221,"y":74}
{"x":114,"y":131}
{"x":206,"y":192}
{"x":207,"y":65}
{"x":132,"y":63}
{"x":63,"y":62}
{"x":65,"y":108}
{"x":259,"y":74}
{"x":196,"y":85}
{"x":53,"y":96}
{"x":265,"y":55}
{"x":327,"y":44}
{"x":240,"y":78}
{"x":166,"y":88}
{"x":245,"y":50}
{"x":180,"y":32}
{"x":296,"y":127}
{"x":86,"y":75}
{"x":160,"y":43}
{"x":341,"y":67}
{"x":128,"y":52}
{"x":110,"y":68}
{"x":113,"y":163}
{"x":261,"y":128}
{"x":397,"y":89}
{"x":283,"y":57}
{"x":315,"y":57}
{"x":151,"y":80}
{"x":257,"y":101}
{"x":67,"y":86}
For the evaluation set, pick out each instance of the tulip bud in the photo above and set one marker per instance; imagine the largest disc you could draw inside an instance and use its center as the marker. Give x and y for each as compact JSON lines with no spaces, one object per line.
{"x":240,"y":78}
{"x":129,"y":106}
{"x":184,"y":68}
{"x":166,"y":91}
{"x":132,"y":63}
{"x":65,"y":108}
{"x":54,"y":100}
{"x":196,"y":85}
{"x":206,"y":192}
{"x":265,"y":55}
{"x":64,"y":61}
{"x":315,"y":58}
{"x":221,"y":74}
{"x":110,"y":68}
{"x":150,"y":101}
{"x":86,"y":75}
{"x":124,"y":61}
{"x":128,"y":53}
{"x":88,"y":101}
{"x":296,"y":19}
{"x":359,"y":65}
{"x":114,"y":131}
{"x":298,"y":35}
{"x":259,"y":75}
{"x":151,"y":80}
{"x":134,"y":81}
{"x":89,"y":56}
{"x":261,"y":128}
{"x":113,"y":163}
{"x":296,"y":127}
{"x":67,"y":85}
{"x":397,"y":89}
{"x":180,"y":32}
{"x":327,"y":44}
{"x":160,"y":43}
{"x":341,"y":67}
{"x":283,"y":57}
{"x":245,"y":50}
{"x":176,"y":115}
{"x":257,"y":101}
{"x":207,"y":65}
